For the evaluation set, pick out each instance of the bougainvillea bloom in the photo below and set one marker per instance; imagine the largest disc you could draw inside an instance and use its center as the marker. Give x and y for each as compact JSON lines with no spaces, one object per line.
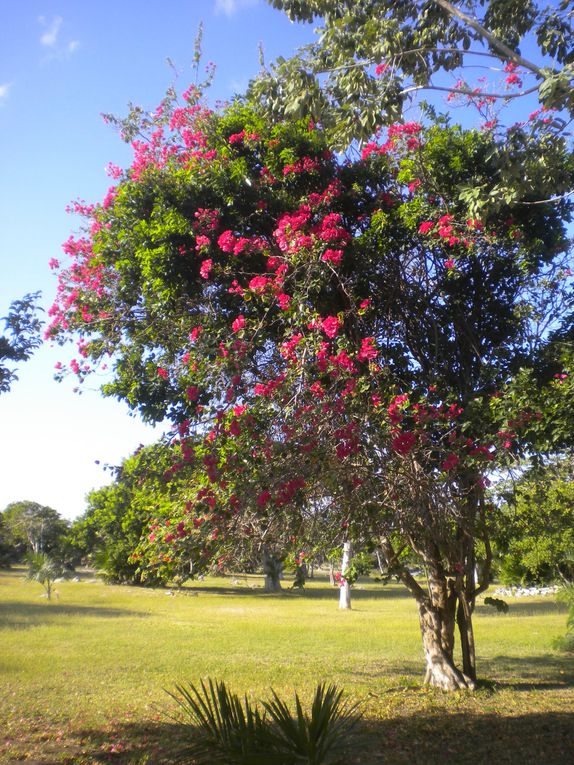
{"x":331,"y":326}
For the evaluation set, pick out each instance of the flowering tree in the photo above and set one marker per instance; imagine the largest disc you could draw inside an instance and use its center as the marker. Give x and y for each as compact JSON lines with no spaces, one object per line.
{"x":326,"y":334}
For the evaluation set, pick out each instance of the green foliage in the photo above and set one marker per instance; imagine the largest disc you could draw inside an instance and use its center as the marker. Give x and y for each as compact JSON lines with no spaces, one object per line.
{"x":23,"y":337}
{"x":238,"y":732}
{"x":535,"y":532}
{"x":566,"y":643}
{"x":418,"y":45}
{"x":31,"y":527}
{"x":10,"y":552}
{"x":222,"y":724}
{"x":116,"y":516}
{"x":311,"y":738}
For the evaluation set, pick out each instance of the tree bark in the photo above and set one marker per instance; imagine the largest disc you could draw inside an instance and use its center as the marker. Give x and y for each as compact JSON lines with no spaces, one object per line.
{"x":437,"y":630}
{"x":437,"y":607}
{"x":466,"y":632}
{"x":272,"y":568}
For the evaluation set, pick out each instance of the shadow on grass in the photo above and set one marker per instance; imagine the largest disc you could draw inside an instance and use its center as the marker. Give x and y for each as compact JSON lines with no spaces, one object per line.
{"x":534,"y":673}
{"x":322,"y":592}
{"x":538,"y":608}
{"x":422,"y":738}
{"x":20,"y":615}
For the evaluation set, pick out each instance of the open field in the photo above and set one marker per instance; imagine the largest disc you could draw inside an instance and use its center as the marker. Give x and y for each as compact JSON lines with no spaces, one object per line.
{"x":82,"y":679}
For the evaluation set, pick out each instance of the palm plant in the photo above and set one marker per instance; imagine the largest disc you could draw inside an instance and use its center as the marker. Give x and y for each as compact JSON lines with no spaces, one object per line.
{"x":312,"y":738}
{"x":222,"y":725}
{"x":45,"y":570}
{"x":240,"y":734}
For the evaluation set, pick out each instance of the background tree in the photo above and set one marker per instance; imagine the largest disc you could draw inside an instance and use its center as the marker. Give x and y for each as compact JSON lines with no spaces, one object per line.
{"x":328,"y":335}
{"x":110,"y":529}
{"x":22,"y":327}
{"x":535,"y":539}
{"x":34,"y":528}
{"x":9,"y":551}
{"x":372,"y":57}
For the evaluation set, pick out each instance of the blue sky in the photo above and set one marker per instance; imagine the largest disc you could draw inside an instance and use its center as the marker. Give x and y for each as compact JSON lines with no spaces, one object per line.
{"x":61,"y":65}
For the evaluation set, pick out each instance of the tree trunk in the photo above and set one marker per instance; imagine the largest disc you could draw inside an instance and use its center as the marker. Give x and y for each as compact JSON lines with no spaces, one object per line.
{"x":272,"y":568}
{"x":345,"y":587}
{"x":438,"y":641}
{"x":466,"y":632}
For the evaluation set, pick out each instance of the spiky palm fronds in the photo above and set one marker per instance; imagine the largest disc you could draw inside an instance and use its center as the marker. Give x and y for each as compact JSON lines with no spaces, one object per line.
{"x":240,"y":734}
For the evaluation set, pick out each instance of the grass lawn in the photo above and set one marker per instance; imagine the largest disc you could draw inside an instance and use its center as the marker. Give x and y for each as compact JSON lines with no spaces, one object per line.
{"x":82,"y":678}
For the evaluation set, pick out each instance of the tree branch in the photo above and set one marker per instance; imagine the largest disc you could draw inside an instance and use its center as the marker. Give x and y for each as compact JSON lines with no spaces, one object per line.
{"x":493,"y":41}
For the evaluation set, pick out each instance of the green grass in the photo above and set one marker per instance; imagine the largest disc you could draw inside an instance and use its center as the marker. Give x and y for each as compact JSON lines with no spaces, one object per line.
{"x":84,"y":675}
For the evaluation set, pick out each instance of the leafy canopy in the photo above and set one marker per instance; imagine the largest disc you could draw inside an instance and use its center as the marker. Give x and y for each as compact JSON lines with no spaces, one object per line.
{"x":371,"y":57}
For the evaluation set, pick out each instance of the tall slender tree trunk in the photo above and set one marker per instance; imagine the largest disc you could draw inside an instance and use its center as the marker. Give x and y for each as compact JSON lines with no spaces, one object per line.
{"x":345,"y":587}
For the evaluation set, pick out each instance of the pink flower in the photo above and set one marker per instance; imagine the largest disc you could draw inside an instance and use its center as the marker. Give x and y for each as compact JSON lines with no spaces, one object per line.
{"x":449,"y":263}
{"x":234,"y":429}
{"x":381,"y":69}
{"x":239,"y":323}
{"x":426,"y":226}
{"x":258,"y":283}
{"x":284,"y":301}
{"x":331,"y":326}
{"x":195,"y":332}
{"x":264,"y":498}
{"x":332,"y":256}
{"x":163,"y":373}
{"x":202,"y":241}
{"x":206,"y":267}
{"x":317,"y":390}
{"x":192,"y":393}
{"x":226,"y":241}
{"x":403,"y":443}
{"x":450,"y":462}
{"x":368,"y":349}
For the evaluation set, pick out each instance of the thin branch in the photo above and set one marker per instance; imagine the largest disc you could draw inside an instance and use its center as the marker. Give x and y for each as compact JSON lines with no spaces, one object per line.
{"x":550,"y":199}
{"x":468,"y":92}
{"x":493,"y":41}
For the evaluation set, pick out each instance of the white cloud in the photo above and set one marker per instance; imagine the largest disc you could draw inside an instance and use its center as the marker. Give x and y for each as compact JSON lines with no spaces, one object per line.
{"x":50,"y":36}
{"x":56,"y":48}
{"x":4,"y":90}
{"x":229,"y":7}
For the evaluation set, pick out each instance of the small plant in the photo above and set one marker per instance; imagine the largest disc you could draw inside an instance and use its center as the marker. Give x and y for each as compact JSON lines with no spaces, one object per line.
{"x":239,"y":733}
{"x":222,"y":724}
{"x":311,"y":738}
{"x":45,"y":570}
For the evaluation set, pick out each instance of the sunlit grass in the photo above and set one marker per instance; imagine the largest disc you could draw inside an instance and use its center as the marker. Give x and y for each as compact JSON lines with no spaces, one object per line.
{"x":101,"y":656}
